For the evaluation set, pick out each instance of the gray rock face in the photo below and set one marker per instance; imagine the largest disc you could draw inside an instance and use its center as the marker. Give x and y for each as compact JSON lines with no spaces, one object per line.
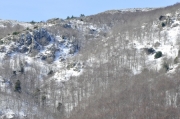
{"x":24,"y":49}
{"x":42,"y":37}
{"x":35,"y":46}
{"x":34,"y":49}
{"x":41,"y":44}
{"x":28,"y":40}
{"x":35,"y":42}
{"x":13,"y":48}
{"x":21,"y":40}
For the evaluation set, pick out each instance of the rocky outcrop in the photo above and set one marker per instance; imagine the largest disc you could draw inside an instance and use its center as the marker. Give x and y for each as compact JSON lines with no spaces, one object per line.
{"x":40,"y":44}
{"x":42,"y":37}
{"x":23,"y":49}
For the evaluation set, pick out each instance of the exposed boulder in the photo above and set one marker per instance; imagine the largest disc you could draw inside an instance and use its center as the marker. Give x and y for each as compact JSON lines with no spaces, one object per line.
{"x":149,"y":51}
{"x":162,"y":18}
{"x":23,"y":49}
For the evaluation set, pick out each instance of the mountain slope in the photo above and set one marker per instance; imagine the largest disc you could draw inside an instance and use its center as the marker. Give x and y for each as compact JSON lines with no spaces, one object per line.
{"x":115,"y":64}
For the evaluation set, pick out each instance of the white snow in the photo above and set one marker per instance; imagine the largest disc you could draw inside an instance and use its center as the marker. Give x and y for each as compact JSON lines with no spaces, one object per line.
{"x":9,"y":114}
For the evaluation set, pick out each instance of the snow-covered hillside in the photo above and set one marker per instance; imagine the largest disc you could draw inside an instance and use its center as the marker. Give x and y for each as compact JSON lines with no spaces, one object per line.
{"x":53,"y":69}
